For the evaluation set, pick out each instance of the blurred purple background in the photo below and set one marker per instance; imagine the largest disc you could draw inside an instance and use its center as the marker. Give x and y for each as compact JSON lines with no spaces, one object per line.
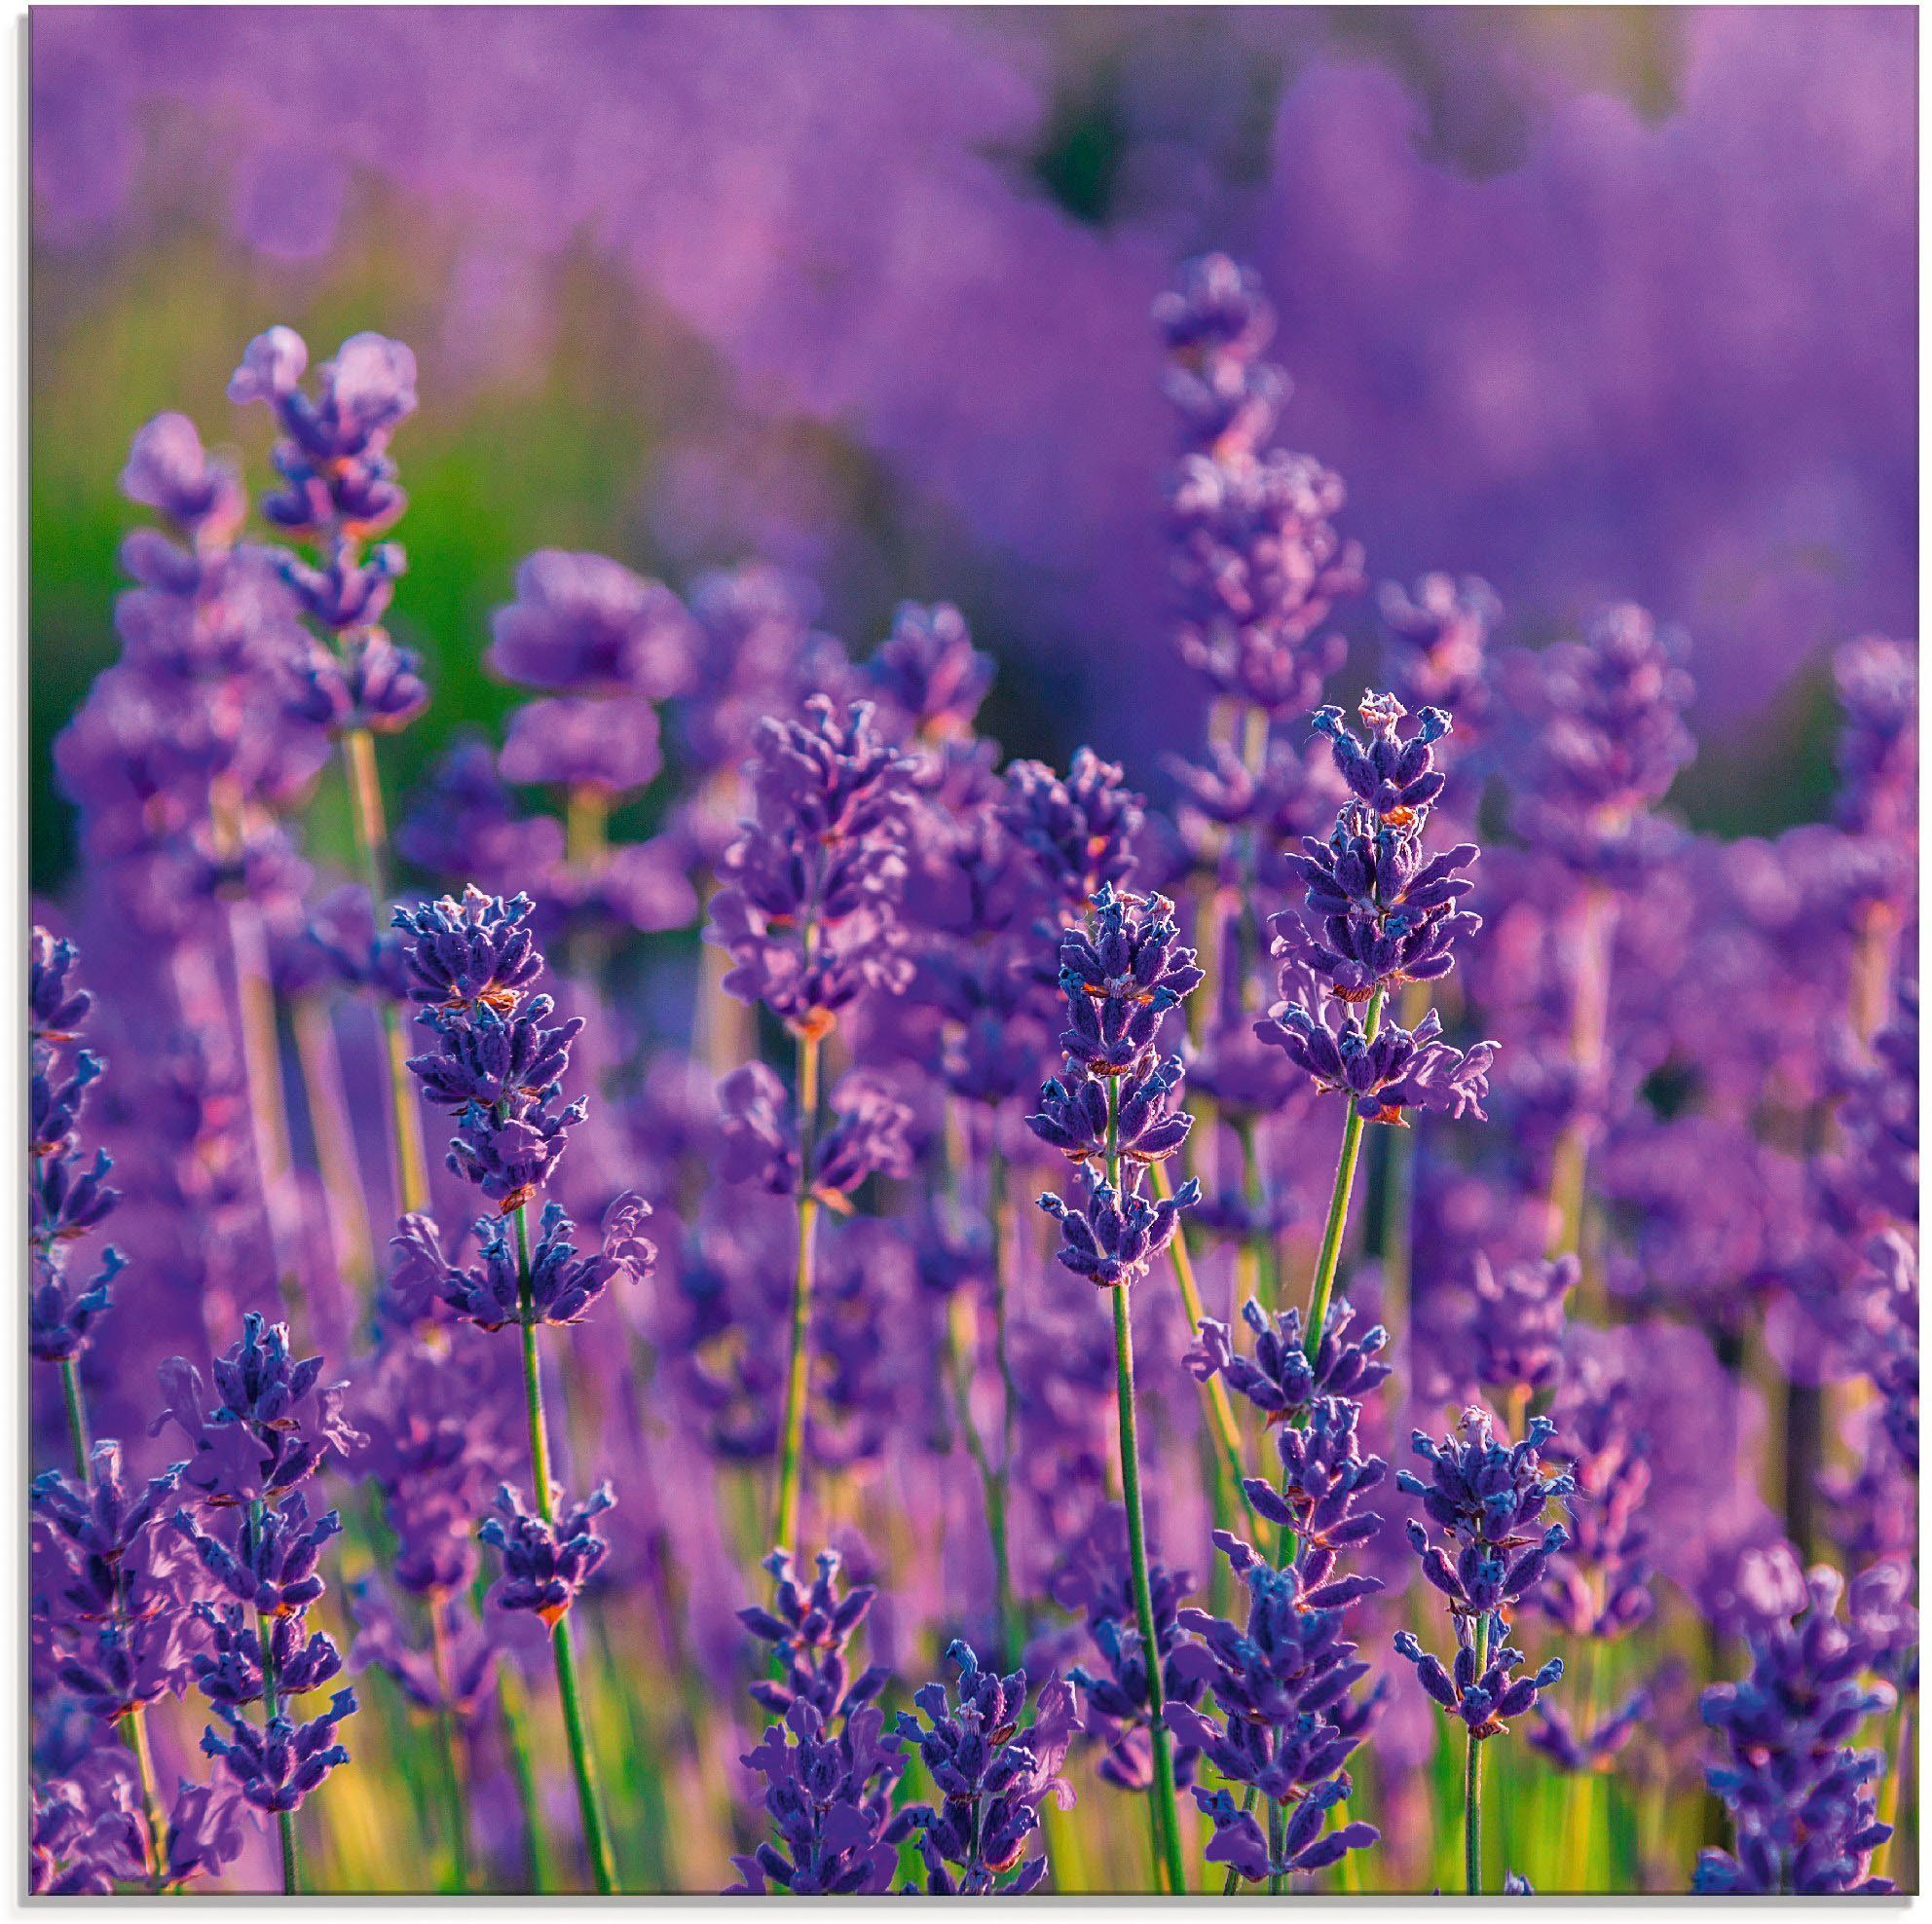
{"x":1595,"y":303}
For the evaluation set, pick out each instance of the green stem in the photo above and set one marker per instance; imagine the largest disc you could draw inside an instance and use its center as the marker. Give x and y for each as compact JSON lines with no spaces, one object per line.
{"x":1163,"y":1813}
{"x":292,"y":1863}
{"x":372,"y":841}
{"x":1472,"y":1781}
{"x":596,"y":1841}
{"x":456,"y":1803}
{"x":1275,"y":1844}
{"x":77,"y":1417}
{"x":1338,"y":1202}
{"x":797,"y":1375}
{"x":511,"y":1702}
{"x":1220,"y":1409}
{"x":134,"y":1729}
{"x":992,"y":1483}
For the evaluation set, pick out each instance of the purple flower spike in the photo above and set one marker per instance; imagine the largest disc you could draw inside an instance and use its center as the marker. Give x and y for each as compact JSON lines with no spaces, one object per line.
{"x":170,"y":471}
{"x":1080,"y":832}
{"x":1518,"y":1322}
{"x":546,"y":1565}
{"x":809,"y":1628}
{"x":476,"y":950}
{"x":1399,"y":1069}
{"x":810,"y":910}
{"x":1392,"y":776}
{"x":1281,"y":1379}
{"x":1442,"y":630}
{"x":993,"y":1775}
{"x":1798,"y":1793}
{"x":928,"y":671}
{"x":563,"y":1285}
{"x":610,"y":747}
{"x":278,"y":1764}
{"x":271,"y":1566}
{"x":1115,"y":1235}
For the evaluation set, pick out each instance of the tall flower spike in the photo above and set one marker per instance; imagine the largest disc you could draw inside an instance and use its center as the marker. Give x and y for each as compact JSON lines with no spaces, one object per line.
{"x":809,"y":910}
{"x":993,"y":1775}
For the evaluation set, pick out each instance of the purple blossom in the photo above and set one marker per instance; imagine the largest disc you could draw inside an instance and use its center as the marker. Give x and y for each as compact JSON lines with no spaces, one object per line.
{"x":372,"y":685}
{"x":1079,"y":832}
{"x":1517,"y":1321}
{"x":809,"y":1628}
{"x":1804,"y":1820}
{"x":271,"y":1565}
{"x":585,"y":625}
{"x":476,"y":950}
{"x":993,"y":1774}
{"x":1112,"y":1237}
{"x":276,"y":1764}
{"x":274,"y":1424}
{"x":1398,"y":1069}
{"x":562,"y":1284}
{"x":810,"y":911}
{"x":609,"y":746}
{"x":928,"y":671}
{"x":545,"y":1564}
{"x":1281,"y":1379}
{"x":868,"y":1134}
{"x":1440,"y":632}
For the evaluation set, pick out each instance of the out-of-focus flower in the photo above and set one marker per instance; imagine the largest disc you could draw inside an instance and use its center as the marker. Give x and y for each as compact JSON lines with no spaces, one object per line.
{"x":585,"y":625}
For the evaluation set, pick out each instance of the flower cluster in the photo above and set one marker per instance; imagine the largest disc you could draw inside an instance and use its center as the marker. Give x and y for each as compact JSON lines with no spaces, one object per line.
{"x":1282,"y":1678}
{"x":808,"y":912}
{"x":338,"y":487}
{"x":1798,"y":1793}
{"x":1378,"y":911}
{"x":255,"y":1536}
{"x":495,"y":1063}
{"x":828,"y":1764}
{"x":1116,"y":1111}
{"x":993,"y":1774}
{"x":67,"y":1191}
{"x":1257,"y":563}
{"x":546,"y":1557}
{"x":1487,"y":1500}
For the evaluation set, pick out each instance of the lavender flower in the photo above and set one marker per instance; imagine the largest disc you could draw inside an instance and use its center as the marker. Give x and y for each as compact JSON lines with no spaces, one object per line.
{"x":991,"y":1773}
{"x":585,"y":625}
{"x":1398,"y":1069}
{"x":1257,"y":565}
{"x":869,"y":1134}
{"x":1517,"y":1321}
{"x":1442,"y":631}
{"x":1281,"y":1379}
{"x":809,"y":1629}
{"x":545,"y":1564}
{"x":809,"y":910}
{"x":928,"y":671}
{"x":1079,"y":832}
{"x":275,"y":1425}
{"x":1280,"y":1677}
{"x":275,"y":1766}
{"x":1806,"y":1823}
{"x":562,"y":1284}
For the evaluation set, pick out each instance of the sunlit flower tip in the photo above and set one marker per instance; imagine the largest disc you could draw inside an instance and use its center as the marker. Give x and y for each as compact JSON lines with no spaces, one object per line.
{"x":545,"y":1564}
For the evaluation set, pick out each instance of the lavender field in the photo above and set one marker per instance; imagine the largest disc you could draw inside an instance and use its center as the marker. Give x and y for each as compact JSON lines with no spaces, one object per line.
{"x":830,"y":1093}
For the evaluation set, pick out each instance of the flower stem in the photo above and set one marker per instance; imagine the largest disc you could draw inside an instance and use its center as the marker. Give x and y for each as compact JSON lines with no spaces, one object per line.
{"x":1589,"y":1020}
{"x":77,"y":1417}
{"x":456,"y":1803}
{"x":1276,"y":1841}
{"x":134,"y":1729}
{"x":372,"y":843}
{"x":596,"y":1840}
{"x":1472,"y":1779}
{"x":798,"y":1374}
{"x":1220,"y":1409}
{"x":1163,"y":1814}
{"x":1339,"y":1198}
{"x":291,"y":1861}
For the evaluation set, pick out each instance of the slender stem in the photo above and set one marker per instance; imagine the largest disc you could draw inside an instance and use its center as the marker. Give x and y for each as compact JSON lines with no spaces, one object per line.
{"x":412,"y":1157}
{"x":372,"y":843}
{"x":1589,"y":1021}
{"x":292,"y":1863}
{"x":1398,"y":1204}
{"x":586,"y":818}
{"x":797,"y":1375}
{"x":335,"y":1139}
{"x":1899,"y":1750}
{"x":516,"y":1740}
{"x":1220,"y":1408}
{"x":1275,"y":1844}
{"x":991,"y":1485}
{"x":596,"y":1841}
{"x":455,"y":1801}
{"x":1163,"y":1813}
{"x":1339,"y":1198}
{"x":77,"y":1417}
{"x":1472,"y":1779}
{"x":134,"y":1729}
